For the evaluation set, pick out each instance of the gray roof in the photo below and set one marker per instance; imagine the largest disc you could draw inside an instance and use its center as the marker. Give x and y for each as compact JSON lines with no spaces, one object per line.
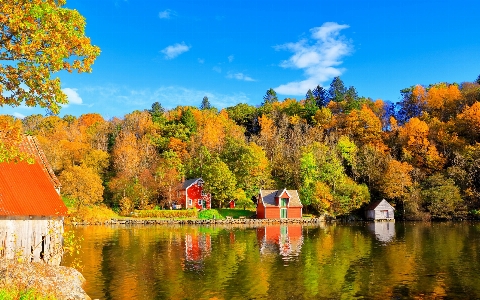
{"x":383,"y":202}
{"x":268,"y":197}
{"x":189,"y":182}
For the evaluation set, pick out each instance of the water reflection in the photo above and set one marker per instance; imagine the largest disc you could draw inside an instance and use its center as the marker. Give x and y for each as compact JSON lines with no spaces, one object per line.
{"x":383,"y":231}
{"x":378,"y":261}
{"x":285,"y":240}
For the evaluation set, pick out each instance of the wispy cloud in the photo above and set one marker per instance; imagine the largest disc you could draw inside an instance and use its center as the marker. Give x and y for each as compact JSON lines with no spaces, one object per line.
{"x":18,"y":115}
{"x":217,"y":69}
{"x":201,"y":60}
{"x":239,"y":76}
{"x":175,"y":50}
{"x":120,"y":100}
{"x":167,"y":14}
{"x":73,"y":96}
{"x":231,"y":58}
{"x":319,"y":57}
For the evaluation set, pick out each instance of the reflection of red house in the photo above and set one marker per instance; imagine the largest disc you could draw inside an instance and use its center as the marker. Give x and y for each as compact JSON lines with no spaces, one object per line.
{"x":197,"y":247}
{"x":285,"y":240}
{"x":190,"y":194}
{"x":279,"y":204}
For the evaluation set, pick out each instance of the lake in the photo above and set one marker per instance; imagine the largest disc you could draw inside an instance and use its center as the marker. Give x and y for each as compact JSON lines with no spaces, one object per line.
{"x":332,"y":261}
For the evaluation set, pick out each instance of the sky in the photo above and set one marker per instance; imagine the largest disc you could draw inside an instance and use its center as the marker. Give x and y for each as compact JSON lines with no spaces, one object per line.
{"x":233,"y":51}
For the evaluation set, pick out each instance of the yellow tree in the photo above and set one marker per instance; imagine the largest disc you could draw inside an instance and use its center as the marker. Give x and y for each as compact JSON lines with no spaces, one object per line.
{"x":38,"y":38}
{"x":417,"y":148}
{"x":82,"y":184}
{"x":396,"y":182}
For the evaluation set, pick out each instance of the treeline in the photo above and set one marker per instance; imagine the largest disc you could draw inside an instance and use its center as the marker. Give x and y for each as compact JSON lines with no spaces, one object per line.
{"x":340,"y":150}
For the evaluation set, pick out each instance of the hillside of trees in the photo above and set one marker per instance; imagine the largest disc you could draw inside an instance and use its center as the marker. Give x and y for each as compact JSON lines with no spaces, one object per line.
{"x":340,"y":150}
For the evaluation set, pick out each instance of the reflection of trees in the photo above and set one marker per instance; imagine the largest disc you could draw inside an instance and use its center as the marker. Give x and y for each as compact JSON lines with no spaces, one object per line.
{"x":336,"y":261}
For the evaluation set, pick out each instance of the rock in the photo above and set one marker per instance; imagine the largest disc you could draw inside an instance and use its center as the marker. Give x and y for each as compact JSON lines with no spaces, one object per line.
{"x":62,"y":282}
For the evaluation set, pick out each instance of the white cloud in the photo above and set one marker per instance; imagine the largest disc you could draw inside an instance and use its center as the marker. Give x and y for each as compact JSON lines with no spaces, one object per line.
{"x":318,"y":57}
{"x":120,"y":100}
{"x":217,"y":69}
{"x":239,"y":76}
{"x":18,"y":115}
{"x":72,"y":95}
{"x":167,"y":14}
{"x":201,"y":60}
{"x":231,"y":58}
{"x":175,"y":50}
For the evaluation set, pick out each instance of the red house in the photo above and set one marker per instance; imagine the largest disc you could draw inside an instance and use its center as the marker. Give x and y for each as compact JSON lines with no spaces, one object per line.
{"x":279,"y":204}
{"x":190,"y":194}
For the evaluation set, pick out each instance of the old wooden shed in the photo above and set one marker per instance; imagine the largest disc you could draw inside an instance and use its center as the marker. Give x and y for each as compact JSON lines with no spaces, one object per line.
{"x":31,"y":212}
{"x":380,"y":211}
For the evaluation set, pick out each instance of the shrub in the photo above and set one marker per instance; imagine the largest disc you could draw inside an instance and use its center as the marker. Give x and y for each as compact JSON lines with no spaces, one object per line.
{"x":126,"y":206}
{"x":91,"y":214}
{"x":153,"y":213}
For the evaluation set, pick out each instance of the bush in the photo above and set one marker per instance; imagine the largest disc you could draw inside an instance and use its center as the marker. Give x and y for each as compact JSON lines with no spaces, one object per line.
{"x":91,"y":214}
{"x":167,"y":214}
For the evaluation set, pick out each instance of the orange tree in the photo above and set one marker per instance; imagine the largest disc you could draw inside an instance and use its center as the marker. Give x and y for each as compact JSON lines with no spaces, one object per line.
{"x":37,"y":38}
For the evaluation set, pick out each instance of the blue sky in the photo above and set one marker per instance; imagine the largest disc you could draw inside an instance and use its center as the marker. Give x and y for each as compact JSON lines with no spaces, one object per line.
{"x":232,"y":51}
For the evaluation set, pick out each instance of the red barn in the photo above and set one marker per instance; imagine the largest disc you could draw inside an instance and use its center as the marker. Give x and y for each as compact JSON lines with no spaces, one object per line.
{"x":279,"y":204}
{"x":190,"y":194}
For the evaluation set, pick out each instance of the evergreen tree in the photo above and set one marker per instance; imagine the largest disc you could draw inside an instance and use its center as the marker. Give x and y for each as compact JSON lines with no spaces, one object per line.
{"x":205,"y":104}
{"x":337,"y":90}
{"x":157,"y":112}
{"x":270,"y":97}
{"x":321,"y":96}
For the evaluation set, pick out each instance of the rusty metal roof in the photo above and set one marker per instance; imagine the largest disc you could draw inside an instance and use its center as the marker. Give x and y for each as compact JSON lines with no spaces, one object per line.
{"x":30,"y":145}
{"x":26,"y":190}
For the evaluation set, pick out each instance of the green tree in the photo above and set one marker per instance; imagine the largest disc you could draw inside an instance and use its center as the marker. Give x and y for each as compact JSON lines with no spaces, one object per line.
{"x":441,"y":197}
{"x":270,"y":97}
{"x":38,"y":38}
{"x":205,"y":104}
{"x":219,"y":181}
{"x":337,"y":90}
{"x":157,"y":111}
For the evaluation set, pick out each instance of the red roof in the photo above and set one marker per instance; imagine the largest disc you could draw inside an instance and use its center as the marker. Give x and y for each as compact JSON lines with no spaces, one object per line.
{"x":26,"y":190}
{"x":30,"y":145}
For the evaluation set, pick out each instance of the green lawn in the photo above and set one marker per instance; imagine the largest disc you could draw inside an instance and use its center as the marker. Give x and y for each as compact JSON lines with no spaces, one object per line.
{"x":236,"y":213}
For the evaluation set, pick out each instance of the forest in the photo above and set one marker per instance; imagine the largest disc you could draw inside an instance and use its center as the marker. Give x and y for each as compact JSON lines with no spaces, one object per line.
{"x":340,"y":150}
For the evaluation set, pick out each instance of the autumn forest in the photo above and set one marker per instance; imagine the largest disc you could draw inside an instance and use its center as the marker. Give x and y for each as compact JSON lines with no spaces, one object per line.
{"x":340,"y":150}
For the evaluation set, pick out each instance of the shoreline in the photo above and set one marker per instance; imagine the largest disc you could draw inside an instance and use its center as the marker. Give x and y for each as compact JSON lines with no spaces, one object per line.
{"x":153,"y":221}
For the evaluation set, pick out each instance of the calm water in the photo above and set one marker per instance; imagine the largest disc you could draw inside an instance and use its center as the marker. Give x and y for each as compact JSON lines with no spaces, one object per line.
{"x":362,"y":261}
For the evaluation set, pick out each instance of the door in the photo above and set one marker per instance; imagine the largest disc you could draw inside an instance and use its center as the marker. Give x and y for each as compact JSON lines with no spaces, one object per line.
{"x":283,"y":213}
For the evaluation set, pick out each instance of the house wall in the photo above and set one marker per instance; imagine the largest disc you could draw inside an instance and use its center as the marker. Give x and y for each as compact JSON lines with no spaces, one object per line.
{"x":260,"y":211}
{"x":32,"y":239}
{"x":272,"y":212}
{"x":194,"y":192}
{"x":294,"y":212}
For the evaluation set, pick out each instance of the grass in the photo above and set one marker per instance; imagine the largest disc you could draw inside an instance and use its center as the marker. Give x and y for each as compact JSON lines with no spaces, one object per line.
{"x":13,"y":293}
{"x":236,"y":213}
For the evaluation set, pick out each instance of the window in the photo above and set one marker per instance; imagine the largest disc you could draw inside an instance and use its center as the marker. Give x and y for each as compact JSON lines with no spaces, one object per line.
{"x":189,"y":202}
{"x":284,"y":202}
{"x":200,"y":202}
